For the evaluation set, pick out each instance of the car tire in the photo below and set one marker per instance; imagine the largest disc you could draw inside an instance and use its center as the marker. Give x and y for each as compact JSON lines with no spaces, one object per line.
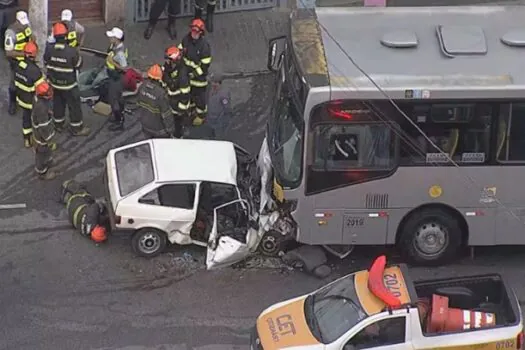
{"x":149,"y":242}
{"x":430,"y":237}
{"x":272,"y":244}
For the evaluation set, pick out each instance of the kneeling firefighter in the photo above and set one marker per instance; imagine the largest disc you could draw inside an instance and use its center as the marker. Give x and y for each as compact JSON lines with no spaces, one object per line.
{"x":86,"y":214}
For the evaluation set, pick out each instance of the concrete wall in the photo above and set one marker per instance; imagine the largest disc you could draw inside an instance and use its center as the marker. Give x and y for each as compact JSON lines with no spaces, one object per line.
{"x":115,"y":11}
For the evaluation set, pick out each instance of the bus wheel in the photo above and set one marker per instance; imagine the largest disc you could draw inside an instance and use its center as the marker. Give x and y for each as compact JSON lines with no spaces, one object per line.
{"x":272,"y":243}
{"x":430,"y":237}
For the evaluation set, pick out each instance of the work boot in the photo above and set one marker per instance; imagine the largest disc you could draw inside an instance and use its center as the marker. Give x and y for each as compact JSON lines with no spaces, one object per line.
{"x":48,"y":175}
{"x":119,"y":126}
{"x":198,"y":13}
{"x":172,"y":31}
{"x":149,"y":31}
{"x":11,"y":108}
{"x":210,"y":10}
{"x":59,"y":126}
{"x":82,"y":132}
{"x":28,"y":142}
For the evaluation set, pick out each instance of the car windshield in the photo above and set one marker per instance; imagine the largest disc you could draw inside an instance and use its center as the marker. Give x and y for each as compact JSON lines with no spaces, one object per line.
{"x":285,"y":140}
{"x":134,"y":168}
{"x":334,"y":310}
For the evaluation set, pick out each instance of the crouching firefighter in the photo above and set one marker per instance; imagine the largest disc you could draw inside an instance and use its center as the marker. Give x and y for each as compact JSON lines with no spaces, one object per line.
{"x":153,"y":106}
{"x":43,"y":131}
{"x":87,"y":215}
{"x":27,"y":76}
{"x":177,"y":81}
{"x":197,"y":57}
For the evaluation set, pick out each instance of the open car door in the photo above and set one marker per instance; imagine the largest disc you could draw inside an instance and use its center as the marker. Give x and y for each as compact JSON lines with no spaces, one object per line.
{"x":232,"y":238}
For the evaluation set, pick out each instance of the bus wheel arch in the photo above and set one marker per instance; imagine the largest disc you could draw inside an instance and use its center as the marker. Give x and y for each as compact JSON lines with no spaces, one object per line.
{"x":432,"y":220}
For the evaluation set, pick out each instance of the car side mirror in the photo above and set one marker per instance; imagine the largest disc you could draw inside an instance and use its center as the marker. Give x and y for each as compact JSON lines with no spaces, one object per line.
{"x":276,"y":48}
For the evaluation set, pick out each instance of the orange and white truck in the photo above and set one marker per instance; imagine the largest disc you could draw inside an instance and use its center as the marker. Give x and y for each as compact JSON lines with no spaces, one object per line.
{"x":382,"y":308}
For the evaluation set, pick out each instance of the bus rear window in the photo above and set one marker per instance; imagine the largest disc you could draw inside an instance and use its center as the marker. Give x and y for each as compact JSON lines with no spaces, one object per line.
{"x":341,"y":147}
{"x":134,"y":168}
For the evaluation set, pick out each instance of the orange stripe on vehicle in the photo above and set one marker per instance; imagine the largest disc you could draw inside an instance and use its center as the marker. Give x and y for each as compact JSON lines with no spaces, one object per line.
{"x":285,"y":327}
{"x":394,"y":282}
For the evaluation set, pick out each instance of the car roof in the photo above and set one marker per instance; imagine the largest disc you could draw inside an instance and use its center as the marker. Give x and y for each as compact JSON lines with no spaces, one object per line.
{"x":360,"y":31}
{"x":195,"y":160}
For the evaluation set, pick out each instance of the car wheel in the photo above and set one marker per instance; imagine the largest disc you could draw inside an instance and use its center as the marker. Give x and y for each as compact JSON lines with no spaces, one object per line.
{"x":149,"y":242}
{"x":272,"y":244}
{"x":430,"y":237}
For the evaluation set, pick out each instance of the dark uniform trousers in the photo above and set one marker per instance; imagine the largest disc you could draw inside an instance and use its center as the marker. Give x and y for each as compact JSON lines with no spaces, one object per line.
{"x":23,"y":35}
{"x":197,"y":58}
{"x":43,"y":132}
{"x":62,"y":62}
{"x":158,"y":7}
{"x":27,"y":76}
{"x":177,"y":81}
{"x":113,"y":89}
{"x":154,"y":110}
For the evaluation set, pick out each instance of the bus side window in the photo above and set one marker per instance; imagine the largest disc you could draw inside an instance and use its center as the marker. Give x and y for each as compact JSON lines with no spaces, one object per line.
{"x":511,"y":133}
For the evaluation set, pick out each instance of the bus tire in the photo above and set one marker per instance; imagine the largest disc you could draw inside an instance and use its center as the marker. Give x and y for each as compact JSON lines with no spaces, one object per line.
{"x":430,"y":237}
{"x":149,"y":242}
{"x":272,"y":244}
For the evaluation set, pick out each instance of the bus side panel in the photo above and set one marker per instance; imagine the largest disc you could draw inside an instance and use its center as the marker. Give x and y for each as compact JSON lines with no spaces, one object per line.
{"x":510,"y":219}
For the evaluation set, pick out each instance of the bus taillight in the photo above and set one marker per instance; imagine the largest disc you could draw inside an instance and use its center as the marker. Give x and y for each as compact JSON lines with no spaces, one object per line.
{"x":339,"y":113}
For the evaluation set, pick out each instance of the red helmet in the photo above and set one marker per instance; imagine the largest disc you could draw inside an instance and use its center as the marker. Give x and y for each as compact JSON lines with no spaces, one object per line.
{"x":59,"y":29}
{"x":198,"y":24}
{"x":172,"y":53}
{"x":44,"y":89}
{"x":31,"y":49}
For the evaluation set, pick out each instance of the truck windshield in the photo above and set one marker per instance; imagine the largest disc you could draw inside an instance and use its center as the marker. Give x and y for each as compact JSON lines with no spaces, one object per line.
{"x":285,"y":137}
{"x":334,"y":310}
{"x":134,"y":168}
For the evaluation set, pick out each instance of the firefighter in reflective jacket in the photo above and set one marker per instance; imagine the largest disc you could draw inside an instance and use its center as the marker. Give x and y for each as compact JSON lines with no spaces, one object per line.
{"x":153,"y":106}
{"x":84,"y":212}
{"x":197,"y":57}
{"x":16,"y":37}
{"x":43,"y":131}
{"x":116,"y":67}
{"x":27,"y":76}
{"x":177,"y":81}
{"x":62,"y":62}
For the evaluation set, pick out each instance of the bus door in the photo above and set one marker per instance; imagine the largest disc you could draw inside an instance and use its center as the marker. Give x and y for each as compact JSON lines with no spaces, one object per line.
{"x":349,"y":151}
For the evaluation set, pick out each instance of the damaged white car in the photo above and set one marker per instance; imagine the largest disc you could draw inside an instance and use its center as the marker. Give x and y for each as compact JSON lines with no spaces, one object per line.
{"x":184,"y":192}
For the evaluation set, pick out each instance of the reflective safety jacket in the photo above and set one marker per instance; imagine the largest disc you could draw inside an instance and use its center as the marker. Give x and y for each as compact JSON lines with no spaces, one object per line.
{"x":154,"y":110}
{"x":22,"y":35}
{"x":62,"y":62}
{"x":177,"y":81}
{"x":113,"y":72}
{"x":41,"y":121}
{"x":27,"y":76}
{"x":197,"y":57}
{"x":72,"y":38}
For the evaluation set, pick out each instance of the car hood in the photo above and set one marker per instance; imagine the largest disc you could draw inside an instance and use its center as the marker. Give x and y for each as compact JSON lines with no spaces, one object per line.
{"x":285,"y":327}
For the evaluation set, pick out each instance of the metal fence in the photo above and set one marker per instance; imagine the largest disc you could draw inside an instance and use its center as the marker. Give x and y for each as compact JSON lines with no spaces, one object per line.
{"x":142,"y":7}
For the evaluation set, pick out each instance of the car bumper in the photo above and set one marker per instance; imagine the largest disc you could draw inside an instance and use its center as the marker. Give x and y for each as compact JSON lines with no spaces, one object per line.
{"x":111,"y":212}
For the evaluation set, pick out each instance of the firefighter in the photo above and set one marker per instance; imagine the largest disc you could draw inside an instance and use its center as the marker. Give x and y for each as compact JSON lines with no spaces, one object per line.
{"x":116,"y":66}
{"x":62,"y":62}
{"x":155,"y":12}
{"x":84,"y":212}
{"x":210,"y":10}
{"x":197,"y":57}
{"x":27,"y":76}
{"x":177,"y":81}
{"x":43,"y":131}
{"x":16,"y":36}
{"x":153,"y":106}
{"x":219,"y":106}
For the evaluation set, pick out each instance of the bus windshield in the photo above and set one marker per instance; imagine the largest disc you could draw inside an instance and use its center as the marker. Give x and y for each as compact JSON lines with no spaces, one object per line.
{"x":285,"y":137}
